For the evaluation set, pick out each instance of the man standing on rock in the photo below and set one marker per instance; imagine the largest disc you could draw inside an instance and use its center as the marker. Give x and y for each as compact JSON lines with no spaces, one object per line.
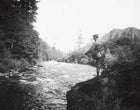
{"x":97,"y":52}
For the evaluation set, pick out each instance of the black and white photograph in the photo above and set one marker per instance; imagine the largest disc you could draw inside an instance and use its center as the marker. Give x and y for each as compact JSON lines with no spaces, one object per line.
{"x":69,"y":54}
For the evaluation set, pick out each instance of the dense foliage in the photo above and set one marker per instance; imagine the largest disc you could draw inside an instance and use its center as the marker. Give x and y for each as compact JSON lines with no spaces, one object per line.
{"x":18,"y":39}
{"x":125,"y":48}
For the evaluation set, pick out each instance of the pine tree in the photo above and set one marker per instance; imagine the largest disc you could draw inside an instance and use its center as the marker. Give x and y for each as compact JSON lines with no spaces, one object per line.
{"x":16,"y":28}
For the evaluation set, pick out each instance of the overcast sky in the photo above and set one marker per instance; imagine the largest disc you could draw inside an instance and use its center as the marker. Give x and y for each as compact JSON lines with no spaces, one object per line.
{"x":60,"y":22}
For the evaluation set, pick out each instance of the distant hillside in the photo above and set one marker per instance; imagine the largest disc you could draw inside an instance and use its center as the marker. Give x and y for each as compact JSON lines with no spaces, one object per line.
{"x":130,"y":32}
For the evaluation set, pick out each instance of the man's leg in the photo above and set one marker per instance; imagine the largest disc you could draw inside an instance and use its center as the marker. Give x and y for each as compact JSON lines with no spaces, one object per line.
{"x":97,"y":69}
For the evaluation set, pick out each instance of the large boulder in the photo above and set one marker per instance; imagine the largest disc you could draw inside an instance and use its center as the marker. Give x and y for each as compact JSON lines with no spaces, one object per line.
{"x":113,"y":90}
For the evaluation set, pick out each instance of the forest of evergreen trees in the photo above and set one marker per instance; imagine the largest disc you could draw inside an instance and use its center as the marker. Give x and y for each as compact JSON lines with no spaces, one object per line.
{"x":19,"y":41}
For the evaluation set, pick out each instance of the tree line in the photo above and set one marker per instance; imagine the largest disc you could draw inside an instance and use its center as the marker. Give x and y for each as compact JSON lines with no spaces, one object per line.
{"x":19,"y":41}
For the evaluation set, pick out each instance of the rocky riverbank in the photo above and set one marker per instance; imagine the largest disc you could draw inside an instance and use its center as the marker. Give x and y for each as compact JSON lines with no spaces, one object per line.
{"x":113,"y":90}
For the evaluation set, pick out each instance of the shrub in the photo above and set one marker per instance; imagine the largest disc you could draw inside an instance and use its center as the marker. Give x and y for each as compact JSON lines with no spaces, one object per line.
{"x":3,"y":68}
{"x":77,"y":56}
{"x":14,"y":64}
{"x":24,"y":63}
{"x":84,"y":61}
{"x":7,"y":64}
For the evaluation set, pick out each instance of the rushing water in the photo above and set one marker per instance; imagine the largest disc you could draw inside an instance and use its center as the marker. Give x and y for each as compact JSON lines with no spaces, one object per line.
{"x":57,"y":78}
